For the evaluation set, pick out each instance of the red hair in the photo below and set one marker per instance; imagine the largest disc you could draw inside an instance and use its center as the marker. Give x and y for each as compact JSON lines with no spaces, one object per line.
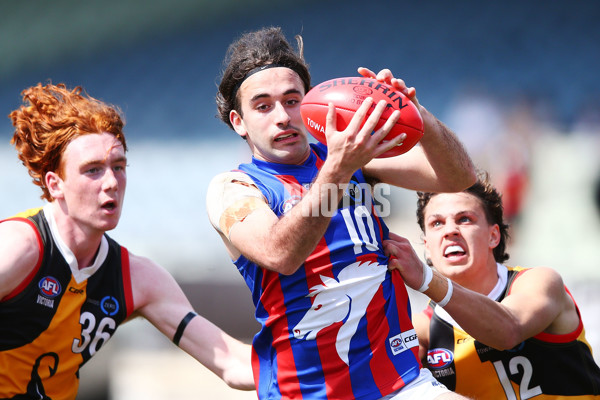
{"x":50,"y":118}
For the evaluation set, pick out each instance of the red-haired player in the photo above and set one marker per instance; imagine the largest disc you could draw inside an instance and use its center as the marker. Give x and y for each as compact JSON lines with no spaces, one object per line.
{"x":65,"y":286}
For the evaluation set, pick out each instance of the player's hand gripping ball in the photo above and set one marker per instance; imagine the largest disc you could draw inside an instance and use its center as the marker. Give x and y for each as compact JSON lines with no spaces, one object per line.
{"x":347,"y":94}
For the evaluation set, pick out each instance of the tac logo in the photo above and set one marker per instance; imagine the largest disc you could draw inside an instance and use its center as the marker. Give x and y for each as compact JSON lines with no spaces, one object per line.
{"x":439,"y":358}
{"x":49,"y":286}
{"x":109,"y":305}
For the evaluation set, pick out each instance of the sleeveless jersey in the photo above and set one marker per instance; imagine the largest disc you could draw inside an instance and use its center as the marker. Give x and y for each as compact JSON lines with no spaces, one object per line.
{"x":339,"y":327}
{"x":545,"y":366}
{"x":52,"y":324}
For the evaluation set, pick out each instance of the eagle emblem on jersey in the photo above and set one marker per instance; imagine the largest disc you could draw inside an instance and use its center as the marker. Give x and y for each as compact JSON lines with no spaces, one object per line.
{"x":344,"y":299}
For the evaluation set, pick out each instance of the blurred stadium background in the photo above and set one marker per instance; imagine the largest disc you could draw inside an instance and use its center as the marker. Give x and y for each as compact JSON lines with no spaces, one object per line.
{"x":517,"y":80}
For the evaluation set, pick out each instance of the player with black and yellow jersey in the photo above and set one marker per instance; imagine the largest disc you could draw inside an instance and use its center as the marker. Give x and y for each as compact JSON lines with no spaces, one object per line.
{"x":65,"y":285}
{"x":491,"y":331}
{"x":64,"y":314}
{"x":545,"y":366}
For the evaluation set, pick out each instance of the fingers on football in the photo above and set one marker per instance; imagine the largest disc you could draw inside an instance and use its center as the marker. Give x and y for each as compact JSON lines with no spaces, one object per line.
{"x":331,"y":118}
{"x":366,"y":72}
{"x":360,"y":114}
{"x":383,"y":131}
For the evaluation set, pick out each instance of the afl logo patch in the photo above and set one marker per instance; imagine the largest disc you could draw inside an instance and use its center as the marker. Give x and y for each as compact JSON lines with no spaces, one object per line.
{"x":109,"y":306}
{"x":439,"y":358}
{"x":397,"y":344}
{"x":289,"y":203}
{"x":49,"y":286}
{"x":404,"y":341}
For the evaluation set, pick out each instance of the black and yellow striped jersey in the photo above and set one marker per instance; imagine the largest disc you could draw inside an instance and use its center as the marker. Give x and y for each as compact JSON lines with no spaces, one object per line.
{"x":543,"y":367}
{"x":56,"y":320}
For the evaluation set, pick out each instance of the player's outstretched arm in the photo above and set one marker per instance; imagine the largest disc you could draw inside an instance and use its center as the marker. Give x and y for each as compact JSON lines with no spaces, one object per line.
{"x":538,"y":301}
{"x":439,"y":163}
{"x":158,"y":298}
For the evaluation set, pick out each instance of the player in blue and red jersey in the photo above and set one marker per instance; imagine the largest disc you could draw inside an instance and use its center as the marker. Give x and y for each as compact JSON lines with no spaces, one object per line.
{"x":300,"y":224}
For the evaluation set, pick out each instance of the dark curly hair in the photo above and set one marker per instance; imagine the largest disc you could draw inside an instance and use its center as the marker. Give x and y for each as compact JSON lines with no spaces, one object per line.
{"x":491,"y":201}
{"x":253,"y":50}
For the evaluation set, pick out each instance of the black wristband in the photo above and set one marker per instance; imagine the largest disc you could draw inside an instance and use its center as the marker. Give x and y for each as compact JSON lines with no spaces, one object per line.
{"x":182,"y":325}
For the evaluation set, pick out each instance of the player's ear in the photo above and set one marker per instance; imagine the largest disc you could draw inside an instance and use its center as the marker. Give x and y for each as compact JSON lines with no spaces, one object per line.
{"x":426,"y":254}
{"x":494,"y":236}
{"x":238,"y":123}
{"x":54,"y":184}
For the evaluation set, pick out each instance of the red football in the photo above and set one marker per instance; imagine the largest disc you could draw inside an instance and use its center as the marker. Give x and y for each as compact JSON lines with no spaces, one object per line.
{"x":347,"y":94}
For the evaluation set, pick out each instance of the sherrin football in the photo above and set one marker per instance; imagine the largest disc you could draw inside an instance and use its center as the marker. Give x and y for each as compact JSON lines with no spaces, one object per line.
{"x":347,"y":94}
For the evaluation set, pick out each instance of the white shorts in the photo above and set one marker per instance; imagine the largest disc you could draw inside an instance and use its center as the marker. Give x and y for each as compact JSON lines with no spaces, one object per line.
{"x":425,"y":387}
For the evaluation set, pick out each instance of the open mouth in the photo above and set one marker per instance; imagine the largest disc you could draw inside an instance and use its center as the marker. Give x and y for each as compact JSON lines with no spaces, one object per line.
{"x":284,"y":137}
{"x":109,"y":205}
{"x":454,"y":251}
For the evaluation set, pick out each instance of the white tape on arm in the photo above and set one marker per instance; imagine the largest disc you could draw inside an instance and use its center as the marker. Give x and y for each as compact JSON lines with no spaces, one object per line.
{"x":230,"y":198}
{"x":446,"y":299}
{"x":427,"y":277}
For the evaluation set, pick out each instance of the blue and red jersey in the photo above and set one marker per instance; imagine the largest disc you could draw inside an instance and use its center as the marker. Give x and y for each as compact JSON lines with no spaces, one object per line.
{"x":339,"y":327}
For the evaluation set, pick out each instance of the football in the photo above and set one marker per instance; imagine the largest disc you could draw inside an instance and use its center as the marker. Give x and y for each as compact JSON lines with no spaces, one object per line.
{"x":347,"y":94}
